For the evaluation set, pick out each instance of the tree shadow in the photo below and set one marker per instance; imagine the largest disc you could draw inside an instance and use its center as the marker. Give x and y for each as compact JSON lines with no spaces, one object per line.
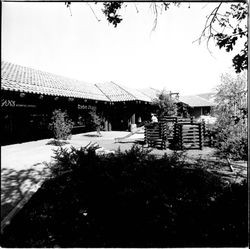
{"x":15,"y":184}
{"x":92,"y":135}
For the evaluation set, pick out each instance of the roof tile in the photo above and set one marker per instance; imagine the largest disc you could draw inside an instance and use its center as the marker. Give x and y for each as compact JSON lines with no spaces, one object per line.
{"x":195,"y":101}
{"x":19,"y":78}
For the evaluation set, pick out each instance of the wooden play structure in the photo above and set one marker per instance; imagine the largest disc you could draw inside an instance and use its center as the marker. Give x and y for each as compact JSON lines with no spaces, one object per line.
{"x":188,"y":136}
{"x":179,"y":133}
{"x":156,"y":135}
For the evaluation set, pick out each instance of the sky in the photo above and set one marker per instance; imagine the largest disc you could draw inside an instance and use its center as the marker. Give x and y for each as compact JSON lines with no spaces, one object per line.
{"x":45,"y":36}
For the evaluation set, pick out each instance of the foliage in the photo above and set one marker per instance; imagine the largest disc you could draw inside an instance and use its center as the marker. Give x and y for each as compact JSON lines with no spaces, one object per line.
{"x":130,"y":199}
{"x":166,"y":104}
{"x":56,"y":142}
{"x":96,"y":119}
{"x":231,"y":124}
{"x":235,"y":20}
{"x":61,"y":125}
{"x":110,"y":10}
{"x":210,"y":134}
{"x":90,"y":119}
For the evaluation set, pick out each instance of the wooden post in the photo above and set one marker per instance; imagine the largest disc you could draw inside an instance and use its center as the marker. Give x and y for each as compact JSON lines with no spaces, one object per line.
{"x":192,"y":119}
{"x":133,"y":118}
{"x":109,"y":126}
{"x":106,"y":125}
{"x":181,"y":136}
{"x":200,"y":135}
{"x":145,"y":135}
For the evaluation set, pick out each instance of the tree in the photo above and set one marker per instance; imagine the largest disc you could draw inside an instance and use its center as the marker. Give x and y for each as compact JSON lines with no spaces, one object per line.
{"x":61,"y":125}
{"x":226,"y":24}
{"x":166,"y":104}
{"x":96,"y":121}
{"x":231,"y":110}
{"x":228,"y":27}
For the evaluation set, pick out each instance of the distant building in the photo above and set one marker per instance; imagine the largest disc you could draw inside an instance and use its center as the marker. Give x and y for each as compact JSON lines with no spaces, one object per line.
{"x":195,"y":105}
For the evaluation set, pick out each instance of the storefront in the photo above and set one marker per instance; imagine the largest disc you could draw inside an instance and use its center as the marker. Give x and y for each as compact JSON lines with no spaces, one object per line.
{"x":26,"y":116}
{"x":29,"y":97}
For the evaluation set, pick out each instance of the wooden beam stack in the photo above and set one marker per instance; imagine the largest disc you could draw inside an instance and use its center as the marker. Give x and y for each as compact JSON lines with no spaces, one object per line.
{"x":156,"y":135}
{"x":189,"y":136}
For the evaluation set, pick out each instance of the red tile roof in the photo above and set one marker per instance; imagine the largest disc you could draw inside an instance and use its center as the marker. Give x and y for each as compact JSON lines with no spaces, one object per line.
{"x":137,"y":94}
{"x":150,"y":92}
{"x":24,"y":79}
{"x":115,"y":92}
{"x":195,"y":101}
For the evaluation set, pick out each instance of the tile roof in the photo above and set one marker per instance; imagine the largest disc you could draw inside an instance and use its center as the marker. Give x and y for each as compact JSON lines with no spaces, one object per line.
{"x":115,"y":92}
{"x":150,"y":92}
{"x":24,"y":79}
{"x":207,"y":96}
{"x":195,"y":101}
{"x":136,"y":94}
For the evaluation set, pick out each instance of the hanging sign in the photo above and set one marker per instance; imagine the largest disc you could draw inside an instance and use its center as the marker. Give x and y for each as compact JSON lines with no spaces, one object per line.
{"x":85,"y":107}
{"x":7,"y":102}
{"x":13,"y":103}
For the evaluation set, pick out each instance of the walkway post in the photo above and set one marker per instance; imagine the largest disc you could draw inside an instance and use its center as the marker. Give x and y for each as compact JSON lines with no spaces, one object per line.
{"x":133,"y":125}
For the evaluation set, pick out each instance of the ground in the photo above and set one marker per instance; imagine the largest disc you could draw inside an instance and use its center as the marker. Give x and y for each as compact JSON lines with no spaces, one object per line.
{"x":26,"y":165}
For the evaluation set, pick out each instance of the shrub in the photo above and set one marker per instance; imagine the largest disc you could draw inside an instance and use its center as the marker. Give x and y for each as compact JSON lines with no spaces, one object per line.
{"x":61,"y":125}
{"x":56,"y":142}
{"x":231,"y":127}
{"x":91,"y":120}
{"x":233,"y":147}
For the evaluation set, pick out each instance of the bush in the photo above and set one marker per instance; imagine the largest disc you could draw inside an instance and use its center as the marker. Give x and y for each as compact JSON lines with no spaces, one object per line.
{"x":61,"y":125}
{"x":56,"y":142}
{"x":231,"y":123}
{"x":231,"y":141}
{"x":130,"y":199}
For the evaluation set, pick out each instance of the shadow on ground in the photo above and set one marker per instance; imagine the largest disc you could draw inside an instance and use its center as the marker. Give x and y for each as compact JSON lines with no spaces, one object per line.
{"x":16,"y":184}
{"x":92,"y":135}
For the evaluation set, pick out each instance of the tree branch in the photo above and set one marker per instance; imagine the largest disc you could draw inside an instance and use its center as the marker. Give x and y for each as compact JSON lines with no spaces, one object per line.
{"x":93,"y":12}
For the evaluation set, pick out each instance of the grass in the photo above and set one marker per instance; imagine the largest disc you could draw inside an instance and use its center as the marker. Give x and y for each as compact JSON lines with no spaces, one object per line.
{"x":130,"y":199}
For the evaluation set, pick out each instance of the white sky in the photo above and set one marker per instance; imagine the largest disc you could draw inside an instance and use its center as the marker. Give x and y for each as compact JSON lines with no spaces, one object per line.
{"x":44,"y":36}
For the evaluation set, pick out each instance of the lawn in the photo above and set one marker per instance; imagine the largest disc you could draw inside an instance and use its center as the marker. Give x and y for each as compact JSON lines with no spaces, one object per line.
{"x":131,"y":199}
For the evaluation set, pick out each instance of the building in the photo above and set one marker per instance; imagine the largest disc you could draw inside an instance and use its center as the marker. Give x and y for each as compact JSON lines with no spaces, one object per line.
{"x":195,"y":106}
{"x":29,"y":96}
